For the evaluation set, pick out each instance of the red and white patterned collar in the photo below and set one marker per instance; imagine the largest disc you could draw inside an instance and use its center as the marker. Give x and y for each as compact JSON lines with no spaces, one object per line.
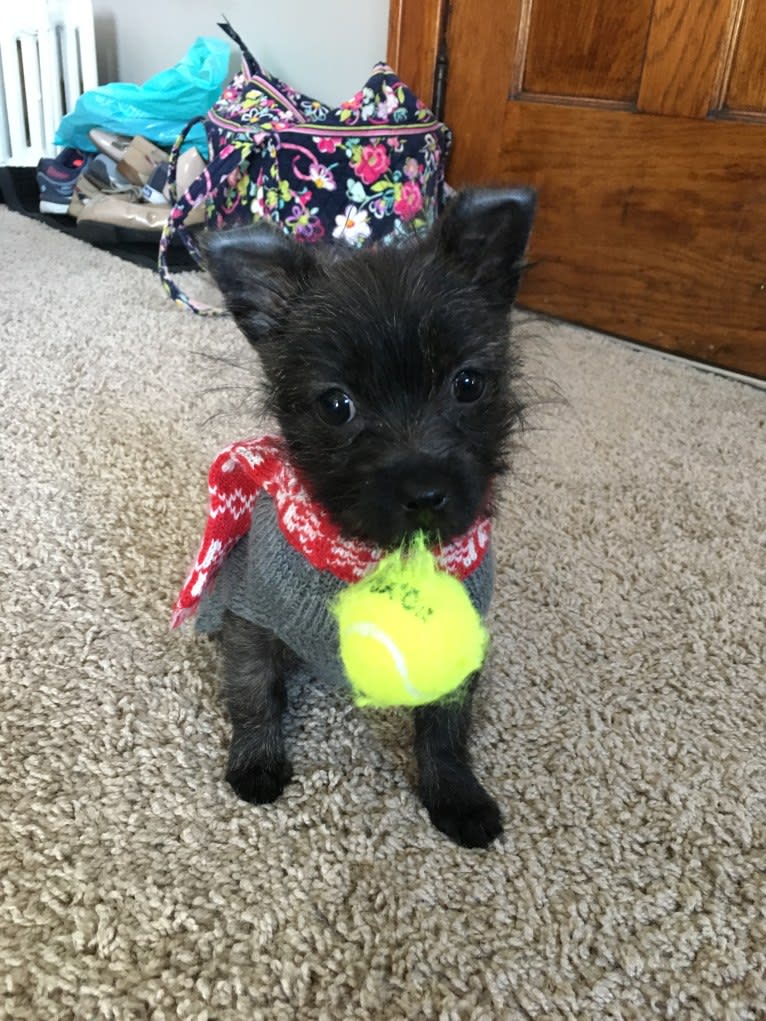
{"x":236,"y":477}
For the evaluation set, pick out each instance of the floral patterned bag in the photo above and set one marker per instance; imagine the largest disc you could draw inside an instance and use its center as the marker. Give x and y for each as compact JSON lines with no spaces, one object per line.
{"x":367,"y":172}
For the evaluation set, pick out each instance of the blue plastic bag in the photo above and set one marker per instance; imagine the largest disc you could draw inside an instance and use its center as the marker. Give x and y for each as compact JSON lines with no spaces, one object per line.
{"x":158,"y":109}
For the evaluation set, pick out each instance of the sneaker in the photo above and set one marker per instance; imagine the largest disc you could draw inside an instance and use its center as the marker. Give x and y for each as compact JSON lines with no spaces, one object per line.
{"x":188,"y":168}
{"x":56,"y":178}
{"x":155,"y":190}
{"x":86,"y":191}
{"x":102,"y":171}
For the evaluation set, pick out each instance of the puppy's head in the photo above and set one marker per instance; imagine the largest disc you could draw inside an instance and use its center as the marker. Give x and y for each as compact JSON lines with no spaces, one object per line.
{"x":390,"y":370}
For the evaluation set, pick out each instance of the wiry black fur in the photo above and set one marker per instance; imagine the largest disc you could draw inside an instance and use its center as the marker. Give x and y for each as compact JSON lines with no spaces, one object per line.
{"x":390,"y":328}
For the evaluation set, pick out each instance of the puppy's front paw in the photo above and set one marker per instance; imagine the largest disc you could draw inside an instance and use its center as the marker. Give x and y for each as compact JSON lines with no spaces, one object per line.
{"x":470,"y":818}
{"x":259,"y":783}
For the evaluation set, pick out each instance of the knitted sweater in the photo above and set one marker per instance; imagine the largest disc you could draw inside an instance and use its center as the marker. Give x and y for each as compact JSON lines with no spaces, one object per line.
{"x":271,"y":555}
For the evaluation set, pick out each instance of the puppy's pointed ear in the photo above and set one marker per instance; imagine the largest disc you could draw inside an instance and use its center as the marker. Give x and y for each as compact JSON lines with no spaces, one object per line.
{"x":485,"y":232}
{"x":258,"y":269}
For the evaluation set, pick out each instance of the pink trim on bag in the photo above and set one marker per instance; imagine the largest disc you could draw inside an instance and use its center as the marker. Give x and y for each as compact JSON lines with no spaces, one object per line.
{"x":380,"y":130}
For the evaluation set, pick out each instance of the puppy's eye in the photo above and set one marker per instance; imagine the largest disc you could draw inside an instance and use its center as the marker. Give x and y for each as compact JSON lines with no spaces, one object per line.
{"x":468,"y":386}
{"x":336,"y":407}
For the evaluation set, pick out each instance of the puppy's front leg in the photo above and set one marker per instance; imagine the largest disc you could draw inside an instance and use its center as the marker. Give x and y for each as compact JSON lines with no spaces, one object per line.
{"x":255,"y":664}
{"x":457,"y":803}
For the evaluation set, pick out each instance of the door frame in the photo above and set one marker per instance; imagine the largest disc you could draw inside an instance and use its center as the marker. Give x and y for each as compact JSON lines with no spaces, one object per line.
{"x":420,"y":32}
{"x":415,"y":30}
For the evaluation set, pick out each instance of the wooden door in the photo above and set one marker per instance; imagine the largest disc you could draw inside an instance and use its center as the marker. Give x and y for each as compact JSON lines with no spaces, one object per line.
{"x":643,"y":125}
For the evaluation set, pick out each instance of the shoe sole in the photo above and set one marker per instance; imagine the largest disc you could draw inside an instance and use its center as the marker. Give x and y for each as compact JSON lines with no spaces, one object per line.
{"x":105,"y":177}
{"x":107,"y":234}
{"x":53,"y":207}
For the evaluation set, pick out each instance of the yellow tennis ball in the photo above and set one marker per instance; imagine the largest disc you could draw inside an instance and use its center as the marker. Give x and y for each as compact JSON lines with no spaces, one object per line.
{"x":409,"y":633}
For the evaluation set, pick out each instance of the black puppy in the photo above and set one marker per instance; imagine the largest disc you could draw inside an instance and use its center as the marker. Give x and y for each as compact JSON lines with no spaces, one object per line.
{"x":392,"y":376}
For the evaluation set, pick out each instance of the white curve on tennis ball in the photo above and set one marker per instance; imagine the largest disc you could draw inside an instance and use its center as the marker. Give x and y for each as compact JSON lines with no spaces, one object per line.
{"x":368,"y":630}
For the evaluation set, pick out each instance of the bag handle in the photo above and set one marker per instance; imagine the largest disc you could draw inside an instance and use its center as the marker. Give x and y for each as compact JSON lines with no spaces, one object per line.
{"x":201,"y":188}
{"x":252,"y":65}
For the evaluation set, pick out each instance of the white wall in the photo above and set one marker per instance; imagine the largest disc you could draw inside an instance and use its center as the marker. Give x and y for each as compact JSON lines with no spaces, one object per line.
{"x":325,"y":48}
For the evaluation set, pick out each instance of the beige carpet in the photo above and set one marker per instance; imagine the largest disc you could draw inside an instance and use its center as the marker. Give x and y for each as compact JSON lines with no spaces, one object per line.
{"x":624,"y":729}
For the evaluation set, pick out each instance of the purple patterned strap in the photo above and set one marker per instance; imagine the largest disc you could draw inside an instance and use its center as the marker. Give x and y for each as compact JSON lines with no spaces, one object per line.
{"x":201,"y":189}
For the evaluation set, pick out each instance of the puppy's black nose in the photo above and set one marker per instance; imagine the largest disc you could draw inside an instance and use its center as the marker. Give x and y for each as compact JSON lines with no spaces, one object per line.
{"x":423,"y":498}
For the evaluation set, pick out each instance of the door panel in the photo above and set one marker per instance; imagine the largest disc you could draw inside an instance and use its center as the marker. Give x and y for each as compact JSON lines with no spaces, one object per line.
{"x":645,"y":135}
{"x":747,"y":86}
{"x":594,"y":51}
{"x":414,"y":31}
{"x":684,"y":56}
{"x":618,"y":255}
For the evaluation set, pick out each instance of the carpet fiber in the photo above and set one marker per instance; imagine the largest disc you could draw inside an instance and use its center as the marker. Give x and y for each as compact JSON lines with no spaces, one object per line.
{"x":621,"y":725}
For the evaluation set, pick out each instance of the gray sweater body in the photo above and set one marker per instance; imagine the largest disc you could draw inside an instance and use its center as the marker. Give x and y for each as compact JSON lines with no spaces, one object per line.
{"x":268,"y":582}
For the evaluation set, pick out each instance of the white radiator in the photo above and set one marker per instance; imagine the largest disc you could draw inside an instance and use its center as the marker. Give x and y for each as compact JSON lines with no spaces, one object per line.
{"x":47,"y":60}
